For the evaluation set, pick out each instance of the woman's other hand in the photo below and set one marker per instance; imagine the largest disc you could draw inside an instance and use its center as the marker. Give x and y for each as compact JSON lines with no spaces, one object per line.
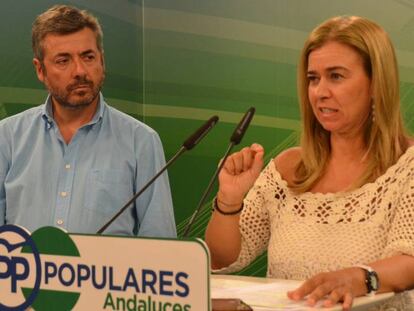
{"x":332,"y":287}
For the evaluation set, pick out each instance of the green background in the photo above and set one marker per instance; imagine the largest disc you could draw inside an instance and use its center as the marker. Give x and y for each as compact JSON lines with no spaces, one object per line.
{"x":175,"y":63}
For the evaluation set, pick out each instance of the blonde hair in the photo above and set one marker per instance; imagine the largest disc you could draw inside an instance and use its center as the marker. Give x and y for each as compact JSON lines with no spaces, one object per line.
{"x":62,"y":20}
{"x":385,"y":139}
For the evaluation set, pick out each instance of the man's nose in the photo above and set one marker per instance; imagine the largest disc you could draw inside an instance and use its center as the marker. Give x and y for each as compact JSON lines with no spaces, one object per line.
{"x":79,"y":69}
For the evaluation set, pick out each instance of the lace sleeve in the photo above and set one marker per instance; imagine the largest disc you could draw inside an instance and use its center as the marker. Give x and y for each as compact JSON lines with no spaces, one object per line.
{"x":254,"y":223}
{"x":401,"y":234}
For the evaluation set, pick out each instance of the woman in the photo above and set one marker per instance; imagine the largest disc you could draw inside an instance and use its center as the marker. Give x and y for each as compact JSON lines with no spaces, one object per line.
{"x":345,"y":197}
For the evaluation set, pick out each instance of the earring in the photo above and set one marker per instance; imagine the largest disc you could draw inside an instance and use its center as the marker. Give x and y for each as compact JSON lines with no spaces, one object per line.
{"x":373,"y":112}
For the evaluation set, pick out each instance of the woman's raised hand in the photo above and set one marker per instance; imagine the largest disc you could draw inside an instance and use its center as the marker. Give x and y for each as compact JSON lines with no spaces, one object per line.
{"x":239,"y":174}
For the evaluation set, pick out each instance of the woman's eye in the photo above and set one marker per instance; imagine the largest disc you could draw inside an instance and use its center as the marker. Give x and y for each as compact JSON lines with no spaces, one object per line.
{"x":336,"y":76}
{"x":313,"y":79}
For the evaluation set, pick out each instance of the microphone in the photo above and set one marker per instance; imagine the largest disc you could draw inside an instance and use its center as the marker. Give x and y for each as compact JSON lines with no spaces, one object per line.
{"x":235,"y":139}
{"x":200,"y":133}
{"x":241,"y":128}
{"x":188,"y":144}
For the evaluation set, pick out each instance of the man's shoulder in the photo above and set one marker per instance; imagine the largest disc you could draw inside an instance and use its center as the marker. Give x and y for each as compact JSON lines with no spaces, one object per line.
{"x":124,"y":120}
{"x":23,"y":117}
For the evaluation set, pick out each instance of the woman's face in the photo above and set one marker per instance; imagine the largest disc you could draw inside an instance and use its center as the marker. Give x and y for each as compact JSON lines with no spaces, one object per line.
{"x":339,"y":88}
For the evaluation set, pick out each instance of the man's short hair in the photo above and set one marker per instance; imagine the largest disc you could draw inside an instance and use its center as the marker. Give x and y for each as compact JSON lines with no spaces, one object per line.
{"x":63,"y":20}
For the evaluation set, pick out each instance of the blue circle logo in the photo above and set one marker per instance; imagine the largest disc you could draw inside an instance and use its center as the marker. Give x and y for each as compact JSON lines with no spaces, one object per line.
{"x":16,"y":269}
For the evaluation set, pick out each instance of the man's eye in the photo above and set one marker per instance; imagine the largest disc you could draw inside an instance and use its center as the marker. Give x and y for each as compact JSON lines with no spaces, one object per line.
{"x":62,"y":61}
{"x":89,"y":57}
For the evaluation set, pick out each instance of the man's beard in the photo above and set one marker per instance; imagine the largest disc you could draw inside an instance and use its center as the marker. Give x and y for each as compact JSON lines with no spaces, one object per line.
{"x":86,"y":97}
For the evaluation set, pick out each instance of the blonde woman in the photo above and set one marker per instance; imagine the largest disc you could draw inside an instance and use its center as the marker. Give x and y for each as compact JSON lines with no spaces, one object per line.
{"x":338,"y":211}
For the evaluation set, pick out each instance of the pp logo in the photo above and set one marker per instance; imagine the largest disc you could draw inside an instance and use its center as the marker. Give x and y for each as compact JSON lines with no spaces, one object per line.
{"x":19,"y":286}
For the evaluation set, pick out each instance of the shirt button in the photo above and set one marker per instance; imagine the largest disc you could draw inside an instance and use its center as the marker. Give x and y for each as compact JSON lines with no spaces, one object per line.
{"x":67,"y":166}
{"x":59,"y":222}
{"x":63,"y":194}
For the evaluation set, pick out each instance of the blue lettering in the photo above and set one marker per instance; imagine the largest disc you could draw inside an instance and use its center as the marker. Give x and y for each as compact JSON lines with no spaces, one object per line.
{"x":50,"y":271}
{"x":94,"y":278}
{"x":83,"y":274}
{"x":185,"y":289}
{"x":149,"y":279}
{"x":71,"y":271}
{"x":6,"y":261}
{"x":131,"y":281}
{"x":111,"y":280}
{"x":165,"y":283}
{"x":19,"y":276}
{"x":13,"y":271}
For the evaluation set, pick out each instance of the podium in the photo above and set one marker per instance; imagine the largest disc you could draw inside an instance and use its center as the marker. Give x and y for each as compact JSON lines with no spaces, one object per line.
{"x":53,"y":270}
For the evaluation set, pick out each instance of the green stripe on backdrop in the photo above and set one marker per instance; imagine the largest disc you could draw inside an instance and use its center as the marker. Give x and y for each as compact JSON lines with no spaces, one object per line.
{"x":220,"y":71}
{"x":34,"y":97}
{"x":212,"y":98}
{"x":222,"y":27}
{"x":188,"y":41}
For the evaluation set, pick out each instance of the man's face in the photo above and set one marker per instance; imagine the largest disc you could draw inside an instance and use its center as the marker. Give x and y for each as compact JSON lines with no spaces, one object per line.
{"x":73,"y":68}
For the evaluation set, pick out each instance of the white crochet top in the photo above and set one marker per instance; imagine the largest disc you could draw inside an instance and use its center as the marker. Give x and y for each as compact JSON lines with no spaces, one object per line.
{"x":313,"y":232}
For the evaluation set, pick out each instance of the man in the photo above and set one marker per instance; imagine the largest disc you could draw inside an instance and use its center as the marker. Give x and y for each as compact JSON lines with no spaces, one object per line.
{"x":75,"y":161}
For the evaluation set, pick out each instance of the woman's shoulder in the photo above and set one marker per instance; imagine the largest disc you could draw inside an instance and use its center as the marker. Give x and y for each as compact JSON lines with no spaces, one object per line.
{"x":286,"y":163}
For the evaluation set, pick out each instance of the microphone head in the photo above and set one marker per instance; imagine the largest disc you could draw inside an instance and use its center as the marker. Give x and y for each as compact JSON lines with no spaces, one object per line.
{"x":242,"y":126}
{"x":198,"y":135}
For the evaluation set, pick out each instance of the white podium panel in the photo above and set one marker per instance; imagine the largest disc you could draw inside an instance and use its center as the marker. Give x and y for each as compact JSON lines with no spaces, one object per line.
{"x":53,"y":270}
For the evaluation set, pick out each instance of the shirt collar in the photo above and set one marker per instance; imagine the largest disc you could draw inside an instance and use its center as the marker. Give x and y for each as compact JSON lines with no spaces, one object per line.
{"x":47,"y":113}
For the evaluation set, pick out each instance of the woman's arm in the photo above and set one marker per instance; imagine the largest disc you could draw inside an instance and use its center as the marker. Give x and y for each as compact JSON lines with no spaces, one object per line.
{"x":237,"y":177}
{"x":223,"y":239}
{"x":396,"y":273}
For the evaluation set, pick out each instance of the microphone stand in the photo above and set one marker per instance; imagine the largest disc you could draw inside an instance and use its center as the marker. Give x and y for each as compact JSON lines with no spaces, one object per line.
{"x":171,"y":161}
{"x":235,"y":139}
{"x":189,"y":144}
{"x":208,"y":190}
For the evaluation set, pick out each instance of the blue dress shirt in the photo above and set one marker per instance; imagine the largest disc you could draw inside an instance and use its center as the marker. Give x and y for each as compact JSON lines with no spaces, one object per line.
{"x":79,"y":186}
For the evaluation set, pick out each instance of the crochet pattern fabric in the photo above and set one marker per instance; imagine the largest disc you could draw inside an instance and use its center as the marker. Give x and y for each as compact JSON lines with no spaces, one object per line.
{"x":313,"y":232}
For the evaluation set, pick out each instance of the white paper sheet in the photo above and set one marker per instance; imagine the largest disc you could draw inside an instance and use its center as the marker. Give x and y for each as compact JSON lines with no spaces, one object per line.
{"x":268,"y":295}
